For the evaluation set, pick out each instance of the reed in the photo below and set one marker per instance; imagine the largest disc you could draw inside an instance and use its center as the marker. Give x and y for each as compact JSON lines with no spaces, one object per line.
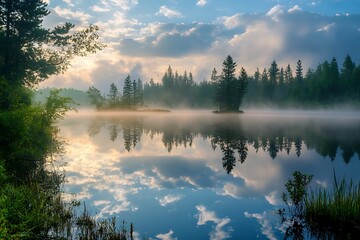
{"x":336,"y":211}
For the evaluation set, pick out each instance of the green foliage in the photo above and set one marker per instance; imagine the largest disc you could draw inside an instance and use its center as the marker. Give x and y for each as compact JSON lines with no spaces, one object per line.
{"x":113,"y":96}
{"x":229,"y":89}
{"x":127,"y":92}
{"x":131,"y":99}
{"x":29,"y":52}
{"x":79,"y":97}
{"x":95,"y":97}
{"x":297,"y":192}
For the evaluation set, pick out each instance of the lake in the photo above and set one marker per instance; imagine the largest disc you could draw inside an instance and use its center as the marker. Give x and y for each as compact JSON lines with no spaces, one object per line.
{"x":200,"y":175}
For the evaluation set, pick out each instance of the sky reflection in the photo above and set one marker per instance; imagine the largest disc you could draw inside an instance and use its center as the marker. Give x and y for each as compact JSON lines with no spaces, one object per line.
{"x":170,"y":175}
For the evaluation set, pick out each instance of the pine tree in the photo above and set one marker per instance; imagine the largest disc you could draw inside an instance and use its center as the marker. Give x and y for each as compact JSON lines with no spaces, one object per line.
{"x":127,"y":93}
{"x":299,"y":71}
{"x":288,"y":74}
{"x":228,"y":95}
{"x":242,"y":86}
{"x":140,"y":92}
{"x":113,"y":95}
{"x":227,"y":85}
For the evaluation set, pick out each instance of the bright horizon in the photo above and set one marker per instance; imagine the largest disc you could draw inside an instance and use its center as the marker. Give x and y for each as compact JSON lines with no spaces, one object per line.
{"x":145,"y":37}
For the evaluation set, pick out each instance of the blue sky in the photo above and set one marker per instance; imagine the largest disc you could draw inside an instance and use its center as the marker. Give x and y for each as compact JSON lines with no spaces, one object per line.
{"x":145,"y":36}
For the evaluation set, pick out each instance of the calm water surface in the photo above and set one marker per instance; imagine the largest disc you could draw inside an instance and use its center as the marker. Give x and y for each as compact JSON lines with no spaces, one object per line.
{"x":198,"y":175}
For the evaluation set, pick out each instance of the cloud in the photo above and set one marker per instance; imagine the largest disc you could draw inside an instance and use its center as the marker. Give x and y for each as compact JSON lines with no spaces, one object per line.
{"x":295,"y":8}
{"x":169,"y":13}
{"x":275,"y":12}
{"x":68,"y":14}
{"x":69,"y":2}
{"x":123,"y":4}
{"x":266,"y":225}
{"x":205,"y":216}
{"x":97,"y":8}
{"x":326,"y":28}
{"x":171,"y":40}
{"x":175,"y":172}
{"x":201,"y":3}
{"x":166,"y":236}
{"x":166,"y":200}
{"x":254,"y":40}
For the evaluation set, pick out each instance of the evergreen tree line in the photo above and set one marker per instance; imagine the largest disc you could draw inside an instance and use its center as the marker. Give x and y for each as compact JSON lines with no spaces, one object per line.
{"x":130,"y":99}
{"x":178,"y":90}
{"x":278,"y":86}
{"x":326,"y":84}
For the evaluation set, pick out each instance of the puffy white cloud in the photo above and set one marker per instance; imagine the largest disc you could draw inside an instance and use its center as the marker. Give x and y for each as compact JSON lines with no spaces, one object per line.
{"x":205,"y":216}
{"x":69,"y":14}
{"x":166,"y":236}
{"x":266,"y":225}
{"x":295,"y":8}
{"x":275,"y":12}
{"x":123,"y":4}
{"x":97,"y":8}
{"x":168,"y":199}
{"x":201,"y":3}
{"x":169,"y":13}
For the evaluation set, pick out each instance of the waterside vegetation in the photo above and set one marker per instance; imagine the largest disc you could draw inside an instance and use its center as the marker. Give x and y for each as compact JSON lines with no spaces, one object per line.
{"x":324,"y":214}
{"x":31,"y":199}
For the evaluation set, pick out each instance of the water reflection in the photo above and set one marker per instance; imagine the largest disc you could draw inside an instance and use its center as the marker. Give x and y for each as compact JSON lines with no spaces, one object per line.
{"x":216,"y":176}
{"x":233,"y":134}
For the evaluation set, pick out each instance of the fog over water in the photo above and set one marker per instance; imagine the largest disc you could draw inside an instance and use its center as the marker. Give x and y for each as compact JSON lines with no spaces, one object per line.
{"x":198,"y":174}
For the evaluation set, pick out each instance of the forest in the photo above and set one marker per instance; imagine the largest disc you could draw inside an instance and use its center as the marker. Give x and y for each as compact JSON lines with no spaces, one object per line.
{"x":276,"y":86}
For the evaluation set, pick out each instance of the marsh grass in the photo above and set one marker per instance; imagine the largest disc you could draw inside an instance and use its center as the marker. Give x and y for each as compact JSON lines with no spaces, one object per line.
{"x":336,"y":211}
{"x":322,"y":213}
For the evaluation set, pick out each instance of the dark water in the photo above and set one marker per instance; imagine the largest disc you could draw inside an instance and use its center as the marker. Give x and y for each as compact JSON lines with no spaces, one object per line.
{"x":198,"y":175}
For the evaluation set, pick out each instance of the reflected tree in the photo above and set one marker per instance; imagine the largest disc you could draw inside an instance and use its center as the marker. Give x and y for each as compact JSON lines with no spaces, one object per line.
{"x":233,"y":136}
{"x":177,"y":137}
{"x":230,"y":139}
{"x":132,"y":131}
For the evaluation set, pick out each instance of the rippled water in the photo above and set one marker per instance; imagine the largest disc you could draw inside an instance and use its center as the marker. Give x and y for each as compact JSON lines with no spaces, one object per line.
{"x":199,"y":175}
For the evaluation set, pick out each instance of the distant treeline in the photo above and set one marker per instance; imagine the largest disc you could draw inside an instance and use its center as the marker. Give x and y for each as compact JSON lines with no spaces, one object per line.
{"x":276,"y":86}
{"x":130,"y":99}
{"x":80,"y":98}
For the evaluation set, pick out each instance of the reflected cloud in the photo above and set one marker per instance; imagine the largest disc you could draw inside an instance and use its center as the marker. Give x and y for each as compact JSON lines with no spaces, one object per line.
{"x":177,"y":160}
{"x":166,"y":236}
{"x":205,"y":216}
{"x":266,"y":225}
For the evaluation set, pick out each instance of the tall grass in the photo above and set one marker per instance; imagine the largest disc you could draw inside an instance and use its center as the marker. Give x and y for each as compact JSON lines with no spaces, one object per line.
{"x":324,"y":214}
{"x":336,"y":211}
